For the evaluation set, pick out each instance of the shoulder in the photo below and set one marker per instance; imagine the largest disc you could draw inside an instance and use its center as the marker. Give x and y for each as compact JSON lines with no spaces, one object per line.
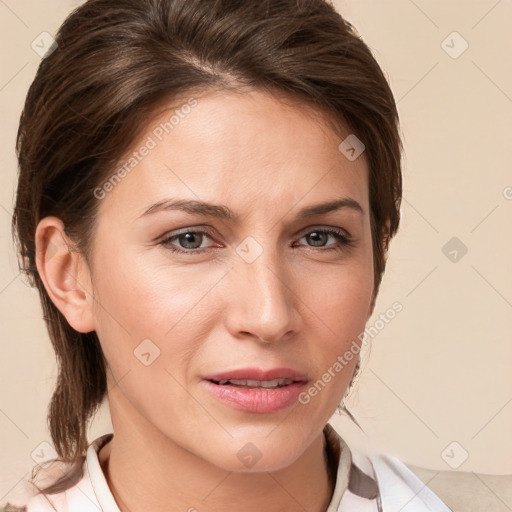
{"x":73,"y":485}
{"x":12,"y":508}
{"x":31,"y":499}
{"x":378,"y":481}
{"x":66,"y":477}
{"x":400,"y":487}
{"x":458,"y":491}
{"x":466,"y":491}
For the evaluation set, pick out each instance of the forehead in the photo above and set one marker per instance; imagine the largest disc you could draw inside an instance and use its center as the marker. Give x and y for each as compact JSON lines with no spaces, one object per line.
{"x":244,"y":148}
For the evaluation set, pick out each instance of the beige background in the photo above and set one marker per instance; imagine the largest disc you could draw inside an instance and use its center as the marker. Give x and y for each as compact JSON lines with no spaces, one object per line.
{"x":440,"y":372}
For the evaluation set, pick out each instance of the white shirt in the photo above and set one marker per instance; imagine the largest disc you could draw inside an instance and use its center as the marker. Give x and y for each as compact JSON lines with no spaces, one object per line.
{"x":365,"y":482}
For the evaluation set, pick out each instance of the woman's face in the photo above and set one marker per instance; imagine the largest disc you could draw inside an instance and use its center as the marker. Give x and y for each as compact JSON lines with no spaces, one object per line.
{"x":264,"y":288}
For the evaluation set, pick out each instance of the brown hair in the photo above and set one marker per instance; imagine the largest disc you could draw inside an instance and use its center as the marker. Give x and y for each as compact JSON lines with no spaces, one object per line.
{"x":115,"y":62}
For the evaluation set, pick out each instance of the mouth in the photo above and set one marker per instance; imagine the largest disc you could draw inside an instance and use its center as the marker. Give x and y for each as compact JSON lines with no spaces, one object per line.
{"x":246,"y":383}
{"x":256,"y":377}
{"x":255,"y":390}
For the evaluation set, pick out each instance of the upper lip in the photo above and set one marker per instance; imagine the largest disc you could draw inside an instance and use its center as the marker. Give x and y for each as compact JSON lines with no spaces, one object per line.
{"x":258,"y":374}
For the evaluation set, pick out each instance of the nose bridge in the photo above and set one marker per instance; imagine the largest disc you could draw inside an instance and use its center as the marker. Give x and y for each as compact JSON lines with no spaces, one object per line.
{"x":263,"y":301}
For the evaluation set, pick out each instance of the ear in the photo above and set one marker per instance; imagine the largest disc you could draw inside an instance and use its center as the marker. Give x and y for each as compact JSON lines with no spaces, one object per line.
{"x":65,"y":274}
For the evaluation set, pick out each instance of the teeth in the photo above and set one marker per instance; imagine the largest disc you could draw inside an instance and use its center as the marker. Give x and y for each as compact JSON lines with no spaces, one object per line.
{"x":257,"y":383}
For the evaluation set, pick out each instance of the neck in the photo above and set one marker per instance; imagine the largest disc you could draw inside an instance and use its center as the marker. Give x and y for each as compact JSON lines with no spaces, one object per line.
{"x":147,"y":472}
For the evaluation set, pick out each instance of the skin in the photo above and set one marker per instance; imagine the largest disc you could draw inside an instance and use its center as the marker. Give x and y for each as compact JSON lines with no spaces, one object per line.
{"x":175,"y":444}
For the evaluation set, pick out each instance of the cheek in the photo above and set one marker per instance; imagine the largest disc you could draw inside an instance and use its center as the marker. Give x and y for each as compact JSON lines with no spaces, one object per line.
{"x":138,"y":300}
{"x":150,"y":325}
{"x":341,"y":298}
{"x":339,"y":312}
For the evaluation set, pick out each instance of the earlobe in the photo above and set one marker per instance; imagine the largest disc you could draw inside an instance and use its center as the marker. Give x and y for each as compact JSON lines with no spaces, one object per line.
{"x":65,"y":274}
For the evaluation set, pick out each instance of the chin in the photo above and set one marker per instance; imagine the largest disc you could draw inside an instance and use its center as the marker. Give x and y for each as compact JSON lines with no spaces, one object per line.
{"x":256,"y":453}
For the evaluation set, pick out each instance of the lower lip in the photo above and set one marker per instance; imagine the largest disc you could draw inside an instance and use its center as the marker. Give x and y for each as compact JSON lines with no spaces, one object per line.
{"x":259,"y":400}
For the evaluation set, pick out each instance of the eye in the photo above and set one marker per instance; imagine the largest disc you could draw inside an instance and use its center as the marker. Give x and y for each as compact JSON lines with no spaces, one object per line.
{"x":319,"y":238}
{"x":190,"y":241}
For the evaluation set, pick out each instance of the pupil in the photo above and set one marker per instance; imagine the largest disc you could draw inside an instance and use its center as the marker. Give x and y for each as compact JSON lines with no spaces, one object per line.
{"x":314,"y":235}
{"x":188,"y":238}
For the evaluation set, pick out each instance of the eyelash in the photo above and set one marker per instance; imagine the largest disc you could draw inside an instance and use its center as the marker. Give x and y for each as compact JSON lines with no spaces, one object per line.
{"x":344,"y":241}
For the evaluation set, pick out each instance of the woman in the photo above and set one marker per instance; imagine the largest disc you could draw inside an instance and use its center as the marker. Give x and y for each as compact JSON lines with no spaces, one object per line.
{"x":206,"y":197}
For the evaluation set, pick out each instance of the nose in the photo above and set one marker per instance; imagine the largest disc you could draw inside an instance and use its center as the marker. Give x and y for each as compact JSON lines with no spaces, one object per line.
{"x":262,"y":305}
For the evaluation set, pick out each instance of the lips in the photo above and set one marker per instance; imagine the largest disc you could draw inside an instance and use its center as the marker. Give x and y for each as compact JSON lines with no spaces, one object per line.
{"x":253,"y":376}
{"x":255,"y":390}
{"x":275,"y":383}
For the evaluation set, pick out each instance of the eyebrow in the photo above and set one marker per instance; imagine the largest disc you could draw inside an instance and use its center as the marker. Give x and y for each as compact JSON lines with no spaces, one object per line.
{"x":223,"y":212}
